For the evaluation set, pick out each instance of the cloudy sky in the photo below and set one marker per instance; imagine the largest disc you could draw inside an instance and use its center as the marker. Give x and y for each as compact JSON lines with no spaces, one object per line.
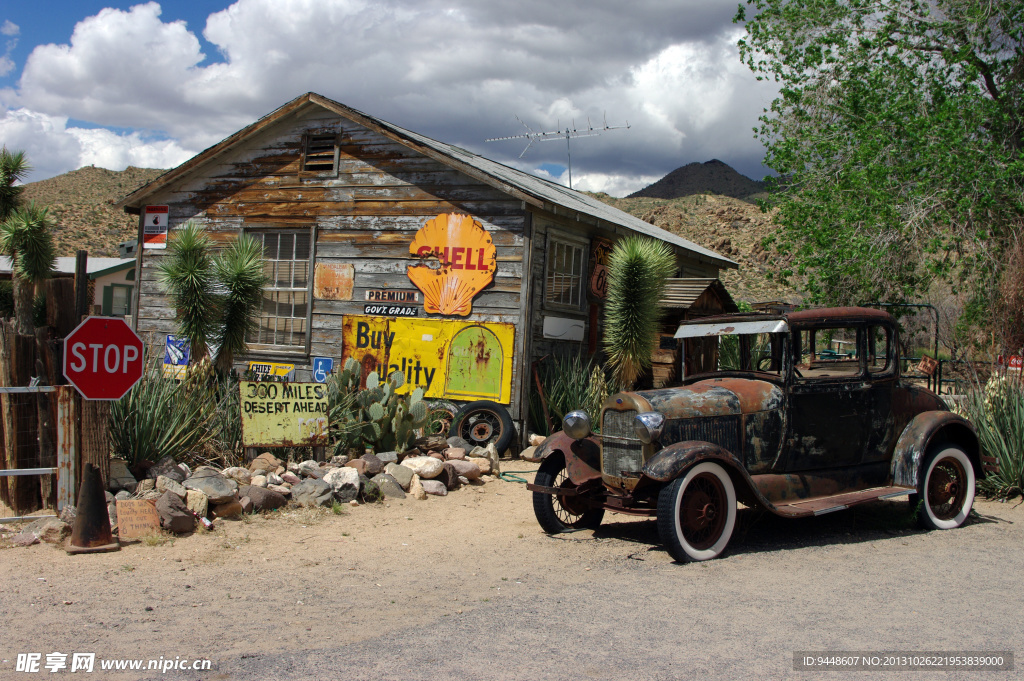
{"x":117,"y":84}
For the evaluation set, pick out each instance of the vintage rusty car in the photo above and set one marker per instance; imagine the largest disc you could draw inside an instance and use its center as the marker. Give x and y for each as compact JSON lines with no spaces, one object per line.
{"x":800,"y":414}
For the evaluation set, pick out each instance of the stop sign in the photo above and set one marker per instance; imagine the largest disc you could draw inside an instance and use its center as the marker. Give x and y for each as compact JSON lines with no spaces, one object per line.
{"x":103,"y":358}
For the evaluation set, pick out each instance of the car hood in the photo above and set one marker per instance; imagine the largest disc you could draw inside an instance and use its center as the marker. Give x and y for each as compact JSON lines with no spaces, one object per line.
{"x":715,"y":397}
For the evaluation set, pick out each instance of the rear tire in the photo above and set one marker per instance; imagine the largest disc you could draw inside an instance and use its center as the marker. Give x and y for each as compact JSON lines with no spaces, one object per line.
{"x":947,"y":489}
{"x":558,"y":514}
{"x":697,"y":513}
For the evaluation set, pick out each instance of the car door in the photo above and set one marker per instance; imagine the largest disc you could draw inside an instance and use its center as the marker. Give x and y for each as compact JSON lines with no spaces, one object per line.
{"x":829,"y":399}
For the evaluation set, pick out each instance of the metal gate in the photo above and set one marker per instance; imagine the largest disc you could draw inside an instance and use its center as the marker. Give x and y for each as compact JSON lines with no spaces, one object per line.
{"x":64,"y":444}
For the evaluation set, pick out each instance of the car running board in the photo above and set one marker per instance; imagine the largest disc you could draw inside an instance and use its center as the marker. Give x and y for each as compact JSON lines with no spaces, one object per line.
{"x":838,"y":502}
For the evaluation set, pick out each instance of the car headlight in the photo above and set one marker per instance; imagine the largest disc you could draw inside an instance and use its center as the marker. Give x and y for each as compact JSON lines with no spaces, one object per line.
{"x":648,"y":425}
{"x":576,"y":424}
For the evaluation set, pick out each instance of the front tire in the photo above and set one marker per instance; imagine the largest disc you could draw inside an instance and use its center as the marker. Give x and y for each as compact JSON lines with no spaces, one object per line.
{"x":697,"y":513}
{"x":558,"y":514}
{"x":947,"y":489}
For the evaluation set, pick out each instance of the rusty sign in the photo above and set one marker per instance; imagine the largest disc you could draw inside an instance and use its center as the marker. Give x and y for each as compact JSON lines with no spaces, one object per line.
{"x":459,"y":260}
{"x":447,"y":358}
{"x":283,"y":414}
{"x":599,"y":252}
{"x":927,"y":365}
{"x":333,"y":281}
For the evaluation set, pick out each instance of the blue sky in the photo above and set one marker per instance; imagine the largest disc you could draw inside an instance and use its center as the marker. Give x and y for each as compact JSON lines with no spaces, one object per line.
{"x":151,"y":84}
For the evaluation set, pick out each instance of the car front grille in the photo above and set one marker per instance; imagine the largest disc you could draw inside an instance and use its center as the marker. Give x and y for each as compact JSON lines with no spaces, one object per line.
{"x":622,"y":453}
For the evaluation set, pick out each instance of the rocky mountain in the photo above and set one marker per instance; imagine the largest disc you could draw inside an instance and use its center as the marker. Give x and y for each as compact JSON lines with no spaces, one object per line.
{"x":710,"y":177}
{"x":82,"y":203}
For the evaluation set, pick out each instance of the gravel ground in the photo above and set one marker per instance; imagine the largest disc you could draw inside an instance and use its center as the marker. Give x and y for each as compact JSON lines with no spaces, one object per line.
{"x":468,"y":587}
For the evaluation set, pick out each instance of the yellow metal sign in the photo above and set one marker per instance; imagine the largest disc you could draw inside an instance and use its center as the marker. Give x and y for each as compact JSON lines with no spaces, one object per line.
{"x":263,"y":370}
{"x":447,"y":358}
{"x":283,"y":414}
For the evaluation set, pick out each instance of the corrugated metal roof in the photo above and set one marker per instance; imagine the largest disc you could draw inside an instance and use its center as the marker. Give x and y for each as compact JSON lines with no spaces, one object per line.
{"x":683,"y":293}
{"x":535,"y":190}
{"x":67,"y":265}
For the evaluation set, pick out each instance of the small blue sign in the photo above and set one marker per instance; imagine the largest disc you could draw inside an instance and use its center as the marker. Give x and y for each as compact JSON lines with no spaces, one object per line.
{"x":176,"y":352}
{"x":322,"y":367}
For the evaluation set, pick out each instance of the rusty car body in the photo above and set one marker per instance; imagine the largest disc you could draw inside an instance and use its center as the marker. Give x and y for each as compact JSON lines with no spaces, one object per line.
{"x":800,"y":414}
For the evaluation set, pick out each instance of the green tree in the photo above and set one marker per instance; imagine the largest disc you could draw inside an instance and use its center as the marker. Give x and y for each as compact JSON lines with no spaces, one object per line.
{"x":27,"y":237}
{"x":217,"y":297}
{"x":637,"y":269}
{"x":898,"y":135}
{"x":14,"y":167}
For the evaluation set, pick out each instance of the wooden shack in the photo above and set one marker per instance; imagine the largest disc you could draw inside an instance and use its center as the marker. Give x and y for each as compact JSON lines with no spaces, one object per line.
{"x":407,"y":253}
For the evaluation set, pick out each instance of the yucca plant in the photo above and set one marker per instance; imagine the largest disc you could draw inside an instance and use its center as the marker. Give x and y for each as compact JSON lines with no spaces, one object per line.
{"x":997,"y":412}
{"x":637,"y":270}
{"x":14,"y":167}
{"x":27,"y":237}
{"x":187,"y":274}
{"x":160,"y":416}
{"x":239,"y":270}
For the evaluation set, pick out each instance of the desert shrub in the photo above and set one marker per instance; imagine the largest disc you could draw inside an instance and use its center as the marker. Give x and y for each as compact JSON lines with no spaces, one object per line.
{"x":997,"y":412}
{"x":569,"y":383}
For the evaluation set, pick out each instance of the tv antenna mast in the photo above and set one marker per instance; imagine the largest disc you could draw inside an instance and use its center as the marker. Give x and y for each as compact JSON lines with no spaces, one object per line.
{"x":569,"y":133}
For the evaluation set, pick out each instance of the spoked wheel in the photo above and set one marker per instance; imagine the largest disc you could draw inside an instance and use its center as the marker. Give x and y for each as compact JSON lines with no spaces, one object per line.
{"x":697,"y":513}
{"x":558,"y":514}
{"x":482,"y":423}
{"x":947,"y":489}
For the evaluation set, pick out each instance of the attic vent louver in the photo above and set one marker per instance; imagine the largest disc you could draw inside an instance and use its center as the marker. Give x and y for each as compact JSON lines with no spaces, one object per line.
{"x":321,"y":153}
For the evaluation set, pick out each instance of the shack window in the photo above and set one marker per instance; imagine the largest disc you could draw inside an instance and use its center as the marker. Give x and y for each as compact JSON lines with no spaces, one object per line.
{"x":321,"y":153}
{"x":564,"y":280}
{"x":284,"y":319}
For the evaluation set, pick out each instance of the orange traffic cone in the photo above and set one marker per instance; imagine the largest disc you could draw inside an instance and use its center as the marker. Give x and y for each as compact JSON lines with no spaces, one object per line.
{"x":90,"y":532}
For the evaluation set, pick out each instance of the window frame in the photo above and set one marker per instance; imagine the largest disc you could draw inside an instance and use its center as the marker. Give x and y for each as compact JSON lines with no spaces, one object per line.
{"x":796,"y":352}
{"x":107,"y":306}
{"x":307,"y":140}
{"x":555,"y":238}
{"x":256,"y":348}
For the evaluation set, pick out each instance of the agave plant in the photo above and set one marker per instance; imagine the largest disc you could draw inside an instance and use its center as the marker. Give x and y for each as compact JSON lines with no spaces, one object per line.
{"x":637,"y":270}
{"x":27,"y":237}
{"x":997,"y":412}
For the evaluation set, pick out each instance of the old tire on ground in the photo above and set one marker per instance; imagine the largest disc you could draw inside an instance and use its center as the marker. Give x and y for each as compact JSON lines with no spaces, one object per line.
{"x":697,"y":513}
{"x":560,"y":514}
{"x":482,"y":423}
{"x":946,"y":488}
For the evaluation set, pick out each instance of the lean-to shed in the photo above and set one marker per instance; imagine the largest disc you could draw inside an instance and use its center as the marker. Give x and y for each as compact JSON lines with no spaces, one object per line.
{"x":396,"y":249}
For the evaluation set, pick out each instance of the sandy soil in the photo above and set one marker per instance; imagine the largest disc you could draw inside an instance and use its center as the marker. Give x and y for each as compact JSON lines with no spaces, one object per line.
{"x":272,"y":585}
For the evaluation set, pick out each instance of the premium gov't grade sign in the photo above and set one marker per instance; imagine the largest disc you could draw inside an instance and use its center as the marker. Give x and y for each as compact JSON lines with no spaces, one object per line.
{"x":103,"y":358}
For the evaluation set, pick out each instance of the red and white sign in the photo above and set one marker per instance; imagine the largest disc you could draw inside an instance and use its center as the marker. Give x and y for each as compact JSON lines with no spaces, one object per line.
{"x":103,"y":358}
{"x":154,"y":226}
{"x":1015,"y":364}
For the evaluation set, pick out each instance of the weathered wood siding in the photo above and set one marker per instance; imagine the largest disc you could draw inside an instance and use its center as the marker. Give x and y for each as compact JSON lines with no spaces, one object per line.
{"x":365,"y":215}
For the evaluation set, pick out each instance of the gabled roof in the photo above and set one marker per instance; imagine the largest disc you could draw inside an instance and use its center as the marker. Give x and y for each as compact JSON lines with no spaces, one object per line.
{"x":536,"y":191}
{"x":683,"y":293}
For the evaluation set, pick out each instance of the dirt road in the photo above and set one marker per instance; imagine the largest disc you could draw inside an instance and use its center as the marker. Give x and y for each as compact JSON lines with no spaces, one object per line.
{"x":467,"y":587}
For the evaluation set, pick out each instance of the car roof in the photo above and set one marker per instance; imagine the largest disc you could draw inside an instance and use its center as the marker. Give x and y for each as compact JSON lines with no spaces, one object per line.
{"x":812,"y":317}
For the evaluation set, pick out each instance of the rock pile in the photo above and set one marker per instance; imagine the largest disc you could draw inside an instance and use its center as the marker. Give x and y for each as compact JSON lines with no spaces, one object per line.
{"x":184,"y":496}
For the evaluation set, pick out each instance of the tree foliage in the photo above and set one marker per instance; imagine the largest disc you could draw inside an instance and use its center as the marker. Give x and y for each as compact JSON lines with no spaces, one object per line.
{"x":897,"y":134}
{"x":27,"y":237}
{"x":217,"y":297}
{"x":637,"y":269}
{"x":14,"y":167}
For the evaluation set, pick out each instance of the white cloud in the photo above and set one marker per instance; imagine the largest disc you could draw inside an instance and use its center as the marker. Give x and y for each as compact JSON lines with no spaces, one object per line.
{"x":456,"y":70}
{"x":9,"y":28}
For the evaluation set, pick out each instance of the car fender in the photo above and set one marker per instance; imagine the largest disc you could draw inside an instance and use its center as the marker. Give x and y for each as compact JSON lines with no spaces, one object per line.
{"x":923,"y":430}
{"x":676,"y":459}
{"x":582,"y":457}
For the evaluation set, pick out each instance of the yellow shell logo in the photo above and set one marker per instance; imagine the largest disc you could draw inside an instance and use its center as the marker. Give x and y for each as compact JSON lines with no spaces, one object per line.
{"x":460,"y":260}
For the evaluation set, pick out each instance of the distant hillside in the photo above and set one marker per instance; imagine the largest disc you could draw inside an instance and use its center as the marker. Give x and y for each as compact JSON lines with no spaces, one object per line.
{"x":712,"y":177}
{"x":81,"y":201}
{"x":732,"y":227}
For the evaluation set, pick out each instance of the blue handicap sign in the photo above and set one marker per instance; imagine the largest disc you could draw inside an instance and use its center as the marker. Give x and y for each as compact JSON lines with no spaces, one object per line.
{"x":322,"y":367}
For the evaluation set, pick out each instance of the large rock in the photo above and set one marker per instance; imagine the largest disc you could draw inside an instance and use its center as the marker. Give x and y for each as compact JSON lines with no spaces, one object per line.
{"x":388,"y":486}
{"x":120,"y":476}
{"x":402,"y":474}
{"x":536,"y":440}
{"x":427,"y":467}
{"x":197,"y":502}
{"x":283,"y":490}
{"x":369,"y":492}
{"x":529,"y":454}
{"x":263,"y":499}
{"x":229,"y":509}
{"x":387,"y":457}
{"x":290,"y":478}
{"x":373,"y":465}
{"x":449,"y":477}
{"x":240,"y":475}
{"x":416,"y":488}
{"x":344,"y":483}
{"x":309,"y":469}
{"x":266,"y":462}
{"x":147,"y":485}
{"x":312,"y":492}
{"x":49,"y":530}
{"x":468,"y":469}
{"x":357,"y":465}
{"x":456,"y":441}
{"x":258,"y":481}
{"x":274,"y":479}
{"x":165,"y":484}
{"x":174,"y":514}
{"x":455,"y":453}
{"x":210,"y":482}
{"x":484,"y":464}
{"x":168,"y":468}
{"x":435,"y":487}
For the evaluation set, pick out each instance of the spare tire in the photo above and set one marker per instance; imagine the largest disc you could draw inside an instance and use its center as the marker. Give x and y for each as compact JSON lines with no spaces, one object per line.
{"x":483,"y":423}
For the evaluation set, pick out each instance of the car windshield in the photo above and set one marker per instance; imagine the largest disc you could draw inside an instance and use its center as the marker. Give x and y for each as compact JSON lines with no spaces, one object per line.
{"x":736,"y":346}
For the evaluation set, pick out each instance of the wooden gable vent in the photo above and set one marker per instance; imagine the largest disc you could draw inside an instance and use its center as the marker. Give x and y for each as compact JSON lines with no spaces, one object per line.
{"x":321,"y":153}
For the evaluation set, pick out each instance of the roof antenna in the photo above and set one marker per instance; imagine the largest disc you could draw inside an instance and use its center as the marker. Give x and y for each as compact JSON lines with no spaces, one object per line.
{"x":568,"y":133}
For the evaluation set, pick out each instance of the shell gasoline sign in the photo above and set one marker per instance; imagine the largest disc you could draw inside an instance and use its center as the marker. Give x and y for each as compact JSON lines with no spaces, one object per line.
{"x":459,"y":261}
